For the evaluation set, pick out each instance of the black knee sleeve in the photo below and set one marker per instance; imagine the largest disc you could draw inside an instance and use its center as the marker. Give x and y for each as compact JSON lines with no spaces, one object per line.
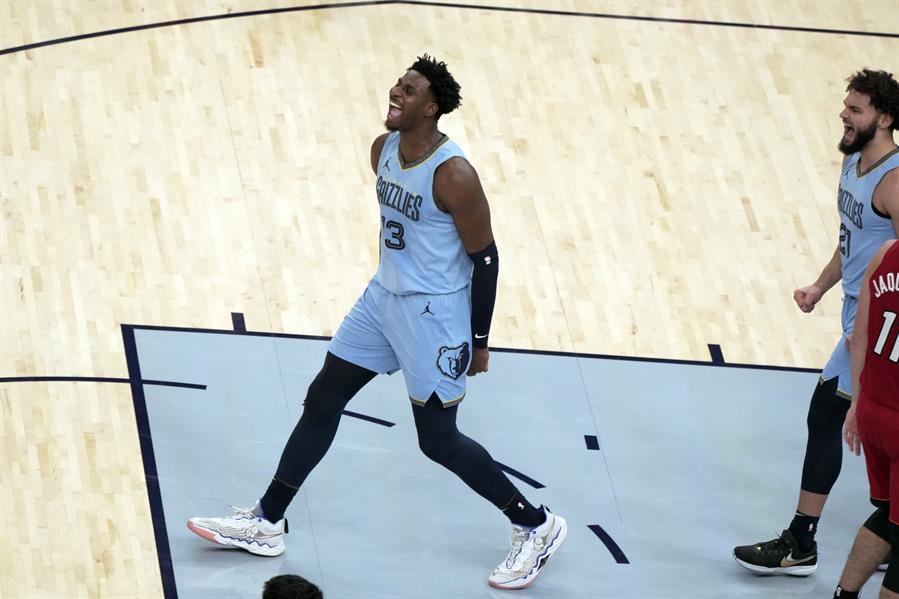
{"x":879,"y":524}
{"x":891,"y":578}
{"x":322,"y":402}
{"x":334,"y":385}
{"x":439,"y":446}
{"x":824,"y":449}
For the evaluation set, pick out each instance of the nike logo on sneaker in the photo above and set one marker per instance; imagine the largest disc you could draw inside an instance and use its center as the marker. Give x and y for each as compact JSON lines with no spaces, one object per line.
{"x":789,"y":561}
{"x":476,"y":336}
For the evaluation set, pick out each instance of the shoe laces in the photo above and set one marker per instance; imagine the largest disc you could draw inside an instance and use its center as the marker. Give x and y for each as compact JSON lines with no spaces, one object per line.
{"x":242,"y":513}
{"x":777,"y":544}
{"x":519,"y":536}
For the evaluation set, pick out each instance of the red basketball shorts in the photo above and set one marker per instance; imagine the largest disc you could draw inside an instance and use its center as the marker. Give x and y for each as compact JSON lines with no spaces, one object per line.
{"x":878,"y":427}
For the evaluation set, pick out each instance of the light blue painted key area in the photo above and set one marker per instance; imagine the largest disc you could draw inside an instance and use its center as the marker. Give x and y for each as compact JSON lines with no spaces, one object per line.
{"x":692,"y":461}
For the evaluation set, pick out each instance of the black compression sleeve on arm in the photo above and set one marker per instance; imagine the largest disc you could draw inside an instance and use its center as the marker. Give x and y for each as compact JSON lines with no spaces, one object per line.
{"x":483,"y":292}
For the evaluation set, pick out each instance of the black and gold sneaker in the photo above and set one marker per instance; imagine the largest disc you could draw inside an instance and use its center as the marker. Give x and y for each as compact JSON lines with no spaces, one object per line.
{"x":778,"y":556}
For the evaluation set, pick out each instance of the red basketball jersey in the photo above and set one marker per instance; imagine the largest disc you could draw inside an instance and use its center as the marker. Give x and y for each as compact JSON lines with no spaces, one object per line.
{"x":880,"y":376}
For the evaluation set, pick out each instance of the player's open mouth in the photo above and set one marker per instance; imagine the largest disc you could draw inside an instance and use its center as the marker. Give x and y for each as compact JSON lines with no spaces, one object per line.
{"x":394,"y":111}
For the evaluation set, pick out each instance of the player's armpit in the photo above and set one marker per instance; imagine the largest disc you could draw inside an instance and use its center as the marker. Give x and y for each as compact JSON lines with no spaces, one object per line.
{"x":376,"y":148}
{"x":886,"y":197}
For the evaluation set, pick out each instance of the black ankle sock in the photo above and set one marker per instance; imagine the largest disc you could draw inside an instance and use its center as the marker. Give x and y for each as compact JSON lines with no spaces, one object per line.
{"x":276,"y":499}
{"x":804,"y":528}
{"x":521,"y":512}
{"x":842,"y":593}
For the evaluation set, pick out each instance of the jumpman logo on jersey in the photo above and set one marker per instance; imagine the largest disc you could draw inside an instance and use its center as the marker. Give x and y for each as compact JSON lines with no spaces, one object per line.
{"x":387,"y":164}
{"x":427,"y":310}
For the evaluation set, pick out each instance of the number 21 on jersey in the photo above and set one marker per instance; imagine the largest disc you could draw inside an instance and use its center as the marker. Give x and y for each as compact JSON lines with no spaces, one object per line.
{"x":845,"y":238}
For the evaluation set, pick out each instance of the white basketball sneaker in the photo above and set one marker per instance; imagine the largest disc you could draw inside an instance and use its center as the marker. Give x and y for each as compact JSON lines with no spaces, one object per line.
{"x":244,"y":529}
{"x":531,"y":549}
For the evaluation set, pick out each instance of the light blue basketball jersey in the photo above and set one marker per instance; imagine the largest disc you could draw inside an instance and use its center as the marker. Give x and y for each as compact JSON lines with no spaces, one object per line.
{"x":420,"y":247}
{"x":862,"y":228}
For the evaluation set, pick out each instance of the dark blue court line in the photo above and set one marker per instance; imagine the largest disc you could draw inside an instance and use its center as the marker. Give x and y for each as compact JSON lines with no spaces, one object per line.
{"x":507,"y":350}
{"x":610,"y":543}
{"x":592,"y":442}
{"x":171,"y":384}
{"x":508,"y":9}
{"x":233,"y":15}
{"x":146,"y":327}
{"x":716,"y":354}
{"x":563,"y":354}
{"x":594,"y":15}
{"x":386,"y":423}
{"x":96,"y":379}
{"x":522,"y":477}
{"x":160,"y":533}
{"x":238,"y":323}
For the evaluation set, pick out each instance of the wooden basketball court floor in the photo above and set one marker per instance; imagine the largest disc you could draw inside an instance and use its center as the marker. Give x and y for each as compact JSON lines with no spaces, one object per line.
{"x":661,"y":177}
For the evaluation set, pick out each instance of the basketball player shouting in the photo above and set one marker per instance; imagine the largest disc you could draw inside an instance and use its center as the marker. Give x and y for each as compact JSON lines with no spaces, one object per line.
{"x":868,"y":204}
{"x":427,"y":311}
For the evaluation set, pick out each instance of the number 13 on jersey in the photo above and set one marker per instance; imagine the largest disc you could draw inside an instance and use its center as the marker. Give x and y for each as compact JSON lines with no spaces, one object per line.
{"x":396,"y":231}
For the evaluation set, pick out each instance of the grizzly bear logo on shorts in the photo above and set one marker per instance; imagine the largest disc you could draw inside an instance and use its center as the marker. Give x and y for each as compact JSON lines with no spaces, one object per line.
{"x":453,"y":361}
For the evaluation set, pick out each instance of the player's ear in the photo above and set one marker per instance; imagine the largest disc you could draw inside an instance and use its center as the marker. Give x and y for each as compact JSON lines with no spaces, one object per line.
{"x":431,"y":110}
{"x":885,"y":120}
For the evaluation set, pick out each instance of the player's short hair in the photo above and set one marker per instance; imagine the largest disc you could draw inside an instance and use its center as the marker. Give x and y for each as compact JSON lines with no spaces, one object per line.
{"x":881,"y":87}
{"x":290,"y":586}
{"x":443,"y":87}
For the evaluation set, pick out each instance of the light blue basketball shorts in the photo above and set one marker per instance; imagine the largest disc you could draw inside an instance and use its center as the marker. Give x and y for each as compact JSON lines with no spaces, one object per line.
{"x":427,"y":336}
{"x":839,"y":364}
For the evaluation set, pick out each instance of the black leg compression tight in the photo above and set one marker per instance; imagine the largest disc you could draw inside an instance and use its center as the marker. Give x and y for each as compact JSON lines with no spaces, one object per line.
{"x":336,"y":383}
{"x":891,"y":578}
{"x":441,"y":441}
{"x":824,"y":450}
{"x":879,"y":523}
